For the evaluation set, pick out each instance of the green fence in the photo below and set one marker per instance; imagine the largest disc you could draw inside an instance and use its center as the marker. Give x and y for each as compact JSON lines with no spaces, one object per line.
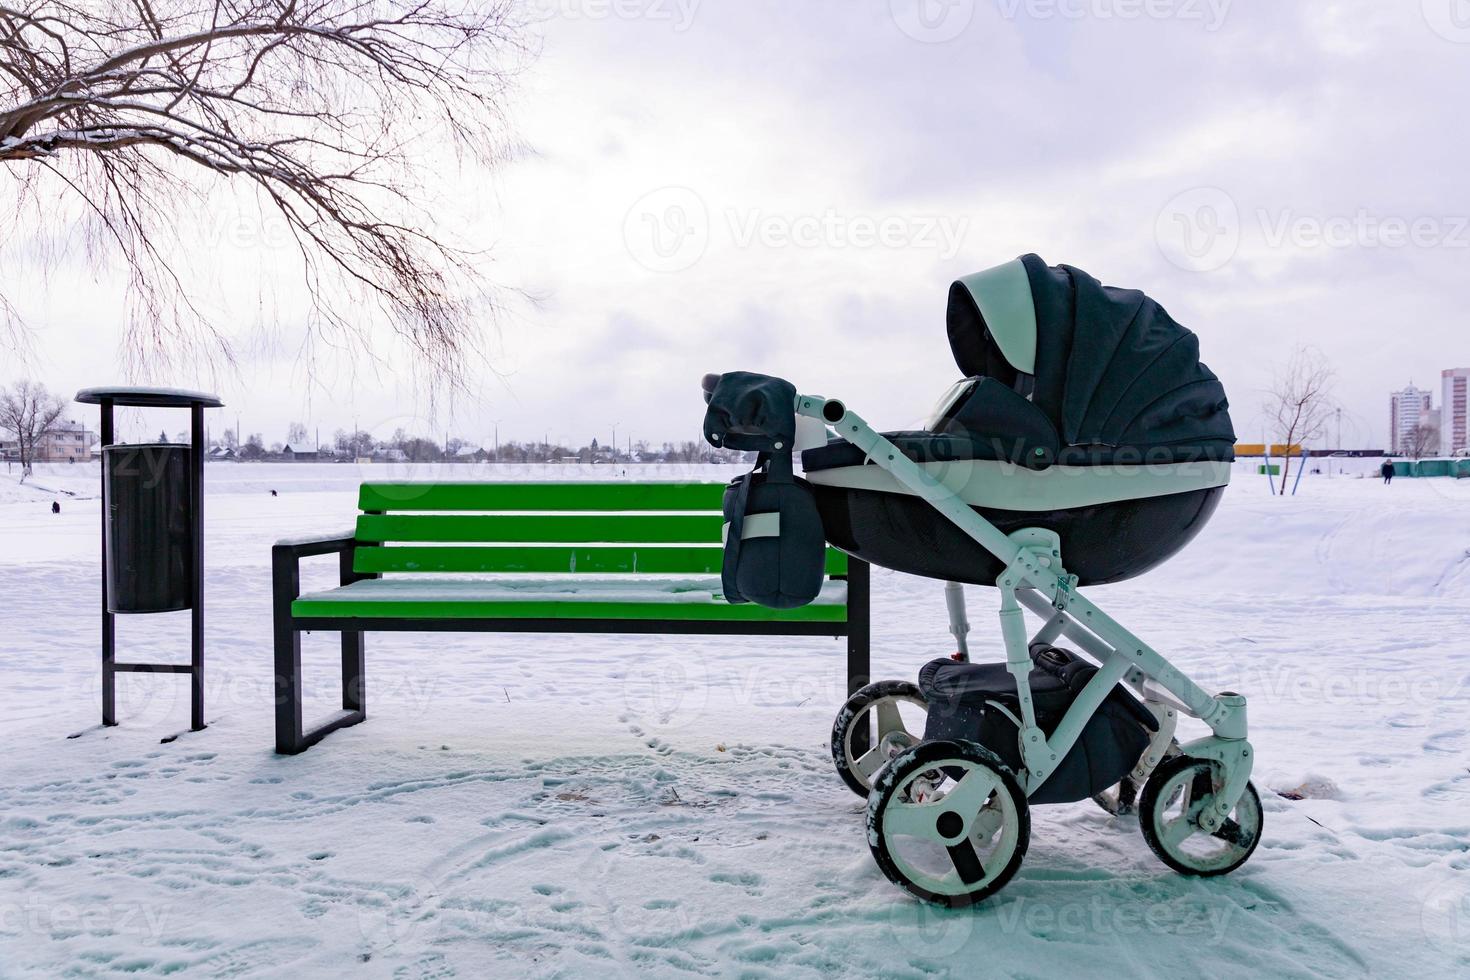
{"x":1458,"y":467}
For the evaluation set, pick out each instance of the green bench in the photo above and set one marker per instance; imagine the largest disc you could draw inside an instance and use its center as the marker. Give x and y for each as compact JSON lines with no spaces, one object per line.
{"x":547,"y":558}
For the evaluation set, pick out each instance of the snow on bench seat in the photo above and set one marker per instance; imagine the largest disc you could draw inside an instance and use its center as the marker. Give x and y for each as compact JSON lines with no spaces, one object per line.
{"x":552,"y":598}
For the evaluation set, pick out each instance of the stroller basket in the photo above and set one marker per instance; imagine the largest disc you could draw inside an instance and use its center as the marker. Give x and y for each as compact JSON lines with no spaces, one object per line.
{"x":980,"y":702}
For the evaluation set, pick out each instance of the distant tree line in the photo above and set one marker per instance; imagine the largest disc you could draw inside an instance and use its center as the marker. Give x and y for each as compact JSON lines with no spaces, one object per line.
{"x":402,"y":446}
{"x":29,"y":412}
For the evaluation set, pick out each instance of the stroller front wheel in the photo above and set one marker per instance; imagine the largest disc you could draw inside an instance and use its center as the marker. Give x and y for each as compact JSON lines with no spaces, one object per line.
{"x":1178,"y":791}
{"x":948,"y":822}
{"x":871,"y":730}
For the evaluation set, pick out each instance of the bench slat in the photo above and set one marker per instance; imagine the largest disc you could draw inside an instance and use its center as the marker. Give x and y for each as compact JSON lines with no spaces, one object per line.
{"x":327,"y":608}
{"x":592,"y":560}
{"x":545,"y":528}
{"x":568,"y":496}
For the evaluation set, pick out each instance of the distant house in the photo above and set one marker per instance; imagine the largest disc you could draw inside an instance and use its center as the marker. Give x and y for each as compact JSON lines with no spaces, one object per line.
{"x":389,"y":455}
{"x":222,"y":454}
{"x":64,"y":442}
{"x":468,"y":454}
{"x":293,"y":454}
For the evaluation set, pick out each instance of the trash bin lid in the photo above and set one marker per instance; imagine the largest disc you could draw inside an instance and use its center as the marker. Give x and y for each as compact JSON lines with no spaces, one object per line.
{"x":149,"y":397}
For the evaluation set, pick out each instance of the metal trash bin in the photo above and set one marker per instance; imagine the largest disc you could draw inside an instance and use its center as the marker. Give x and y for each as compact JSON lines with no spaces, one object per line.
{"x":149,"y":528}
{"x":152,"y":534}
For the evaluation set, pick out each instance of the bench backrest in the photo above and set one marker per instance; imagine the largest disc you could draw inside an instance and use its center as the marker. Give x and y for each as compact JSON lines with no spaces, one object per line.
{"x":572,"y":528}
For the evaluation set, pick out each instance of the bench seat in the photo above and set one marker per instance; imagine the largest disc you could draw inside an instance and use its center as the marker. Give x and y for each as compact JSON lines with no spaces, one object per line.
{"x":572,"y":557}
{"x":552,"y":597}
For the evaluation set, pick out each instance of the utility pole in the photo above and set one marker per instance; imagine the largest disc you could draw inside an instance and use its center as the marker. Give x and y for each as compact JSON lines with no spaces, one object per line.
{"x":1339,"y":439}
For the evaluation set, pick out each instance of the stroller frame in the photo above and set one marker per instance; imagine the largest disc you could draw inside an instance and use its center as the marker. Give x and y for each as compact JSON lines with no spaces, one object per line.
{"x":1034,"y":578}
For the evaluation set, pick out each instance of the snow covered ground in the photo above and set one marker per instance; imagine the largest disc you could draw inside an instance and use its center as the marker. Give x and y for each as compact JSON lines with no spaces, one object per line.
{"x":618,"y":806}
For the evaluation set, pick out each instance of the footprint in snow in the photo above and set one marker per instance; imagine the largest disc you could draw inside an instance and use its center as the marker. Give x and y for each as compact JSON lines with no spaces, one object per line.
{"x":1444,"y":742}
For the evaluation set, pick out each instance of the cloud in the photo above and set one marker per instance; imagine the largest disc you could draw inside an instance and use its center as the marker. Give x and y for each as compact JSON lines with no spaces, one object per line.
{"x":792,"y":151}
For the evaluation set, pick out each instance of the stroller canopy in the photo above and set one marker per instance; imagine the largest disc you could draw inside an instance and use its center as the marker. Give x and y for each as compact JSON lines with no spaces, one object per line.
{"x":1117,"y":377}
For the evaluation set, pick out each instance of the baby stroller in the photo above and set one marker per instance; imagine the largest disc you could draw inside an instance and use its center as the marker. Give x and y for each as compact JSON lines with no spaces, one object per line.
{"x":1086,"y":445}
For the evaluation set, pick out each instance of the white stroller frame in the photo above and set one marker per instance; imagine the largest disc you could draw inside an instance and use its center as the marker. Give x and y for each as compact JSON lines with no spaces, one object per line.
{"x":1035,"y":578}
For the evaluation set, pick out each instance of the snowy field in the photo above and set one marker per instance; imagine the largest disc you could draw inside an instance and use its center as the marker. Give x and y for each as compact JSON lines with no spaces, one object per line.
{"x":620,"y":806}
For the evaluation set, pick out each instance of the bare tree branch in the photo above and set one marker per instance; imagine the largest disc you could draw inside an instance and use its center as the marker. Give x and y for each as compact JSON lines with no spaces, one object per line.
{"x":1299,"y":402}
{"x":29,"y":410}
{"x":1423,"y":440}
{"x":328,"y":109}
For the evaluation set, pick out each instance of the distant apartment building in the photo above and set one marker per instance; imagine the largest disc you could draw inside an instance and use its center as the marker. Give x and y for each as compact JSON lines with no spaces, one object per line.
{"x":65,"y":442}
{"x":1455,"y":383}
{"x":1407,"y":410}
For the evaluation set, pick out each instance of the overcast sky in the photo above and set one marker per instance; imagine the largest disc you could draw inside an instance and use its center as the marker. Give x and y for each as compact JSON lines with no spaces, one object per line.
{"x":790,"y":186}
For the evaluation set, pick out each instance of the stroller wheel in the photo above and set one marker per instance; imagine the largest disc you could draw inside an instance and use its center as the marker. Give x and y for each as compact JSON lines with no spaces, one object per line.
{"x":1172,"y":800}
{"x":1121,"y":799}
{"x":948,"y":822}
{"x":875,"y":725}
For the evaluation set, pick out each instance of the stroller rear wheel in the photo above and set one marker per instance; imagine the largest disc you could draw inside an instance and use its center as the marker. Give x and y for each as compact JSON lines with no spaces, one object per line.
{"x":1178,"y":791}
{"x":871,"y":729}
{"x":948,"y":822}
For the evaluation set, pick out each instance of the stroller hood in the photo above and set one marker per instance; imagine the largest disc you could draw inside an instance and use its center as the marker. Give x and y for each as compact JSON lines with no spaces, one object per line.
{"x":1108,"y":366}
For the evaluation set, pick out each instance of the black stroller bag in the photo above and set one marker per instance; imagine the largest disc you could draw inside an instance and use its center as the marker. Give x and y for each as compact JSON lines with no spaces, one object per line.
{"x":775,"y":548}
{"x":775,"y":552}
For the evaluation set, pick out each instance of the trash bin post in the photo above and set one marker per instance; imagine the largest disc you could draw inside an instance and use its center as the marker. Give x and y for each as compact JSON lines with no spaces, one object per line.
{"x":196,"y":633}
{"x":141,"y":518}
{"x":109,"y":631}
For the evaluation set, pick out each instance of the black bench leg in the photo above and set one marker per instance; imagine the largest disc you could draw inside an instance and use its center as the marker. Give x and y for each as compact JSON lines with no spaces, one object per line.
{"x":291,"y":738}
{"x":285,"y":585}
{"x":354,"y":675}
{"x":288,"y":689}
{"x":859,"y":621}
{"x":859,"y":627}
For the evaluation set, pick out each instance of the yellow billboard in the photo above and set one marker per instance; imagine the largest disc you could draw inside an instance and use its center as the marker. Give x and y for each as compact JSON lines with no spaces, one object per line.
{"x":1259,"y":449}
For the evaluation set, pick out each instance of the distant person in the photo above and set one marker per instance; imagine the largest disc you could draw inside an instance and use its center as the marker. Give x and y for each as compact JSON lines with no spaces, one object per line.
{"x":274,"y":494}
{"x":56,"y":507}
{"x":1387,"y":470}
